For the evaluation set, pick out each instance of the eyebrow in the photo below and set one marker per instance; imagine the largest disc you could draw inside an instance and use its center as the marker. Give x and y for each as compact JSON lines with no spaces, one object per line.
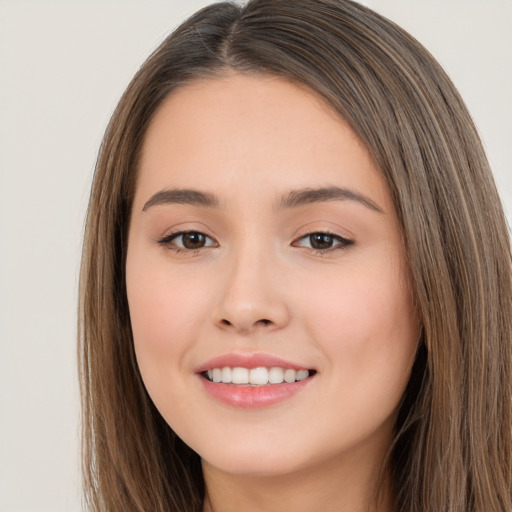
{"x":306,"y":196}
{"x":293,"y":199}
{"x":182,"y":196}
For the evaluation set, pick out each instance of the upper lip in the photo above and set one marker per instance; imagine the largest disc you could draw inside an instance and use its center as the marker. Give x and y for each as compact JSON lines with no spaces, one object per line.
{"x":249,"y":361}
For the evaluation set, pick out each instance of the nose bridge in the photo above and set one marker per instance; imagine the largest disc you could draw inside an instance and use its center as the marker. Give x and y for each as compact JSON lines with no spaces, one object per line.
{"x":251,"y":296}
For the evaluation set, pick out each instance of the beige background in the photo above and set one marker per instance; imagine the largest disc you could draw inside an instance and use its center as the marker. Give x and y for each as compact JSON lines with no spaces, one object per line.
{"x":63,"y":65}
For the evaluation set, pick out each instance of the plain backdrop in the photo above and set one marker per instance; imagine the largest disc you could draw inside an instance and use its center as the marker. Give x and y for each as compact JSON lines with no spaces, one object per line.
{"x":63,"y":66}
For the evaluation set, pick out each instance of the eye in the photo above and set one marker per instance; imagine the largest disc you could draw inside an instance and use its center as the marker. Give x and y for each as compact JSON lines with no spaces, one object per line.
{"x":323,"y":242}
{"x":187,"y":240}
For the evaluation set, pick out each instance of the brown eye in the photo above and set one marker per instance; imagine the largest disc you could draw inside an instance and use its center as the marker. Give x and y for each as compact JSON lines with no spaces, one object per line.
{"x":321,"y":241}
{"x":193,"y":240}
{"x":187,"y":241}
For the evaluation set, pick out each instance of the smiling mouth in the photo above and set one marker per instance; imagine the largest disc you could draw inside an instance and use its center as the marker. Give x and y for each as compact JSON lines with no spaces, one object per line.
{"x":260,"y":376}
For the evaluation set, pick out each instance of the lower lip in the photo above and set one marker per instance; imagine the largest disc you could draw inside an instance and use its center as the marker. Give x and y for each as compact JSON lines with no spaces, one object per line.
{"x":253,"y":397}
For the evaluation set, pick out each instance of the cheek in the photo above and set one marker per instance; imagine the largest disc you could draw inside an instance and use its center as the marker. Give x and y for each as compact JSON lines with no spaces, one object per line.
{"x":151,"y":311}
{"x":364,"y":320}
{"x":361,"y":302}
{"x":165,"y":307}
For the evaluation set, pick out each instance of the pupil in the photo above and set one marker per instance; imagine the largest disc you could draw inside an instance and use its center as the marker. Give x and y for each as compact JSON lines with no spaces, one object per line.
{"x":321,"y":241}
{"x":193,"y":240}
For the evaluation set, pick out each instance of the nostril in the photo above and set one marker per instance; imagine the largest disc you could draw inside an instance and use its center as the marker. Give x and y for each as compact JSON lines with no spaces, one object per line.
{"x":264,"y":321}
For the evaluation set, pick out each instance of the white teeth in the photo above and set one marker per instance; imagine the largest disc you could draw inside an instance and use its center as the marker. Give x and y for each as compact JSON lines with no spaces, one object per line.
{"x":226,"y":375}
{"x":256,"y":376}
{"x":302,"y":374}
{"x":289,"y":375}
{"x":276,"y":375}
{"x":240,"y":376}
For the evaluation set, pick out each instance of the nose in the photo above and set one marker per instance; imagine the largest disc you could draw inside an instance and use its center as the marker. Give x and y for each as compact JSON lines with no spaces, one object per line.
{"x":253,"y":295}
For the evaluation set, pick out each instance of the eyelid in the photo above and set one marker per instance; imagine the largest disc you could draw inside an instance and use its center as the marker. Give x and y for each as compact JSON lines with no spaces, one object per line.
{"x":168,"y":239}
{"x":343,"y":242}
{"x":339,"y":242}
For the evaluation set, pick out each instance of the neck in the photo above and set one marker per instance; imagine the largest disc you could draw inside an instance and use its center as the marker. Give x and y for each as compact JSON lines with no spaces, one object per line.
{"x":331,"y":487}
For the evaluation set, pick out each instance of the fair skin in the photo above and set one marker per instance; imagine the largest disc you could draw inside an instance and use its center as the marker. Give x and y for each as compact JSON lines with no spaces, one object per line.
{"x":270,"y":270}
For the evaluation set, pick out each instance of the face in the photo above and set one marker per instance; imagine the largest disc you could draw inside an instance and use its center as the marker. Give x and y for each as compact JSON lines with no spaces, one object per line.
{"x":264,"y":252}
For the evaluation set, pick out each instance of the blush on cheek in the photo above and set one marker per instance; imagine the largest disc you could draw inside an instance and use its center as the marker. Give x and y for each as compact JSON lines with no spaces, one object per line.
{"x":364,"y":322}
{"x":154,"y":323}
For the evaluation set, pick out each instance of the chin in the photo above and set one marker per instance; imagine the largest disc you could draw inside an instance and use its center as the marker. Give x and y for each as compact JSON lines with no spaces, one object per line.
{"x":255,"y":465}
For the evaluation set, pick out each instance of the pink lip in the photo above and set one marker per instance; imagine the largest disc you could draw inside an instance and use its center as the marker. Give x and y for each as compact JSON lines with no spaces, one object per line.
{"x":251,"y":397}
{"x":257,"y":397}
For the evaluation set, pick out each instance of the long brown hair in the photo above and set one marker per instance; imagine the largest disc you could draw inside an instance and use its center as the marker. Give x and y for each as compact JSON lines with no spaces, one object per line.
{"x":453,"y":448}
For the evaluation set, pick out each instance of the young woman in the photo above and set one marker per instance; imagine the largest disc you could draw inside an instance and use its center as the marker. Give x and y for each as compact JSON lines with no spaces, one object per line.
{"x":296,"y":278}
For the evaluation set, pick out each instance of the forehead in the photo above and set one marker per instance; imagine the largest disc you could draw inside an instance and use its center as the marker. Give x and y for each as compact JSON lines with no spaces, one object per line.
{"x":218,"y":131}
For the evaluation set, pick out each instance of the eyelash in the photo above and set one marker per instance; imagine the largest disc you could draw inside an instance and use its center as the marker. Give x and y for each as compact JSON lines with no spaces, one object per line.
{"x":343,"y":243}
{"x":167,"y":241}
